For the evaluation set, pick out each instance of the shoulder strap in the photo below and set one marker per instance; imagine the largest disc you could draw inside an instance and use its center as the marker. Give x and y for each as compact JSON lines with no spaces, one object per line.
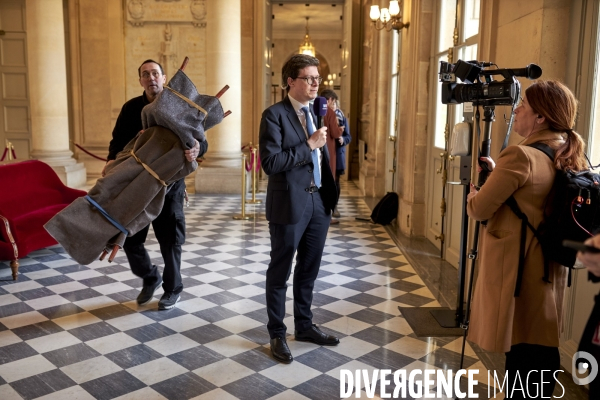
{"x":514,"y":206}
{"x":544,"y":148}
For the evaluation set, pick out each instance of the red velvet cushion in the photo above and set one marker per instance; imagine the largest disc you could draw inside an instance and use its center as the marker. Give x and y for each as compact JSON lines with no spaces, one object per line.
{"x":34,"y":194}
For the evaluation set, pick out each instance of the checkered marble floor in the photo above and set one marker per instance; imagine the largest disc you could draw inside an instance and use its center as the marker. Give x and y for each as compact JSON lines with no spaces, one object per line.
{"x":70,"y":331}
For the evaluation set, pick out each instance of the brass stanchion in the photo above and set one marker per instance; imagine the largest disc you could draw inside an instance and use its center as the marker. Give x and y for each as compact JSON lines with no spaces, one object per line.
{"x":243,"y":214}
{"x":254,"y":164}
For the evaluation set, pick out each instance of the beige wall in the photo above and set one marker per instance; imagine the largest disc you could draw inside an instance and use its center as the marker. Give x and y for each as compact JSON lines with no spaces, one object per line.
{"x":97,"y":75}
{"x":517,"y":33}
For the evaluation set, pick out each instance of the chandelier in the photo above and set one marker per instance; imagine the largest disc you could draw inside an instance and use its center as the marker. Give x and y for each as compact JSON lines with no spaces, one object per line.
{"x":388,"y":18}
{"x":307,"y":47}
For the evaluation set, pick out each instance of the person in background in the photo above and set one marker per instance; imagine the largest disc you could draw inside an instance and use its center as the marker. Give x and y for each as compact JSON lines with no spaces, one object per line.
{"x":336,"y":143}
{"x":525,"y":326}
{"x":169,"y":226}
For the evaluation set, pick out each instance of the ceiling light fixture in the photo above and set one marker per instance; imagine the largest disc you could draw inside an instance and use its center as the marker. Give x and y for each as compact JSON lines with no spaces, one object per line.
{"x":307,"y":47}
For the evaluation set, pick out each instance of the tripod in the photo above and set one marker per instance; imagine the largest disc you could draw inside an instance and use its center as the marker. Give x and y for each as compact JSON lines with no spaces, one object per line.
{"x":488,"y":118}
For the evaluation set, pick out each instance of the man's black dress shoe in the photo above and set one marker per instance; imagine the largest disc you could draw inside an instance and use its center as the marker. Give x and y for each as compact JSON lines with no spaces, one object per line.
{"x":281,"y":351}
{"x":315,"y":335}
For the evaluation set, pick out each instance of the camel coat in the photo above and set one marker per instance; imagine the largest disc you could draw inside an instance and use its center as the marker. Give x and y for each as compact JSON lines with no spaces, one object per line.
{"x":498,"y":319}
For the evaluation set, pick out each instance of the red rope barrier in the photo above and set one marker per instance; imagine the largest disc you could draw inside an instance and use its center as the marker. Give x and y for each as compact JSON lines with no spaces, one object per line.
{"x":88,"y":153}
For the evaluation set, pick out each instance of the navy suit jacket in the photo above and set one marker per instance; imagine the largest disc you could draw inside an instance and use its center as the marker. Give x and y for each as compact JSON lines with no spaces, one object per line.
{"x":286,"y":158}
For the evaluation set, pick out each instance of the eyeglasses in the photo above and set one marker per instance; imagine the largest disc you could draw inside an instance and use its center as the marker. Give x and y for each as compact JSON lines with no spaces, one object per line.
{"x":311,"y":79}
{"x":155,"y":74}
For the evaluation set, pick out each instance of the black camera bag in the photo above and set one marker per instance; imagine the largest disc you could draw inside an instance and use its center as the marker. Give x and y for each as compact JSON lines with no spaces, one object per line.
{"x":386,"y":210}
{"x":572,"y":212}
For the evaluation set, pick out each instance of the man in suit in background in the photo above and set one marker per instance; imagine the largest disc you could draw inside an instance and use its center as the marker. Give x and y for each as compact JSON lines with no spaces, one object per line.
{"x":301,"y":194}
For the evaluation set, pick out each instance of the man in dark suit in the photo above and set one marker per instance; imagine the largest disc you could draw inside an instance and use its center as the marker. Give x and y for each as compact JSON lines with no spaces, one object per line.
{"x":300,"y":197}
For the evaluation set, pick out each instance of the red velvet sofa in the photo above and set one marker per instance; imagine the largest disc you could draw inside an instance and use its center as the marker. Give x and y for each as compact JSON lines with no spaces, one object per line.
{"x":32,"y":193}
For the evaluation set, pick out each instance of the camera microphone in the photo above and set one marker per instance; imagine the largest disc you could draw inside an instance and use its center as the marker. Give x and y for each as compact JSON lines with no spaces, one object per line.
{"x":532,"y":71}
{"x":320,"y":109}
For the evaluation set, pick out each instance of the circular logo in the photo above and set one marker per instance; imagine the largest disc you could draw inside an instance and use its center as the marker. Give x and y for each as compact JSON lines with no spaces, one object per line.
{"x":579,"y":367}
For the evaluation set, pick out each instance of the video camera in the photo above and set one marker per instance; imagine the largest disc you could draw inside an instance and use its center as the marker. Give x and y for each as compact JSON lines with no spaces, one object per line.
{"x":479,"y":87}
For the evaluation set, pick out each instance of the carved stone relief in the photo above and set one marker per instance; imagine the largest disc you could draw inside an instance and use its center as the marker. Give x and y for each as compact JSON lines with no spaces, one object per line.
{"x":166,"y":11}
{"x":166,"y":31}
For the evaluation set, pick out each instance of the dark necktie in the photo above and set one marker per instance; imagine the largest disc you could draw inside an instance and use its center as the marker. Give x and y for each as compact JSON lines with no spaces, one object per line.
{"x":315,"y":152}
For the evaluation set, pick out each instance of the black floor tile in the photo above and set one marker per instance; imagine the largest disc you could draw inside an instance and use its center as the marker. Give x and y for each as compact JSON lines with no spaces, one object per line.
{"x":60,"y":311}
{"x":228,"y":284}
{"x":259,"y":335}
{"x":196,"y":357}
{"x":320,"y":299}
{"x":258,"y":315}
{"x":193,"y":271}
{"x":365,"y":299}
{"x":70,"y":355}
{"x":28,"y":268}
{"x":113,"y":385}
{"x":321,"y":285}
{"x":256,"y":359}
{"x":413,"y":299}
{"x":79,"y":295}
{"x":97,"y":281}
{"x":150,"y":332}
{"x":112,"y":269}
{"x":233,"y":272}
{"x":254,"y":387}
{"x":42,"y":384}
{"x":71,"y":268}
{"x":14,"y":309}
{"x":323,"y":387}
{"x":386,"y":359}
{"x":33,"y":331}
{"x":163,"y":315}
{"x":221,"y":298}
{"x":321,"y":316}
{"x":360,"y":286}
{"x":206,"y":334}
{"x":106,"y":313}
{"x":183,"y":387}
{"x":404,"y":286}
{"x":190,"y":282}
{"x":16,"y":351}
{"x":352,"y":263}
{"x":132,"y":356}
{"x":34,"y":294}
{"x":377,"y":336}
{"x":93,"y":331}
{"x":371,"y":316}
{"x":215,"y":314}
{"x":323,"y":359}
{"x":54,"y":280}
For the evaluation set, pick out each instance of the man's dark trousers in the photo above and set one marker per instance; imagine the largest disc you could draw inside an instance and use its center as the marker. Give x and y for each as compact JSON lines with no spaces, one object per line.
{"x":308,"y":237}
{"x":169,"y":228}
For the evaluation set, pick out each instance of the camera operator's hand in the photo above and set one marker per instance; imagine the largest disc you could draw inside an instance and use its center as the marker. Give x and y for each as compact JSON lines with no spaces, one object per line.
{"x":473,"y":192}
{"x":591,"y":260}
{"x":318,"y":139}
{"x":489,"y":162}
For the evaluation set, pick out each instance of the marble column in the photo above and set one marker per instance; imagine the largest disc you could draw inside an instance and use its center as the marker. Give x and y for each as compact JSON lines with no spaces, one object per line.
{"x":221,"y":170}
{"x":48,"y":89}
